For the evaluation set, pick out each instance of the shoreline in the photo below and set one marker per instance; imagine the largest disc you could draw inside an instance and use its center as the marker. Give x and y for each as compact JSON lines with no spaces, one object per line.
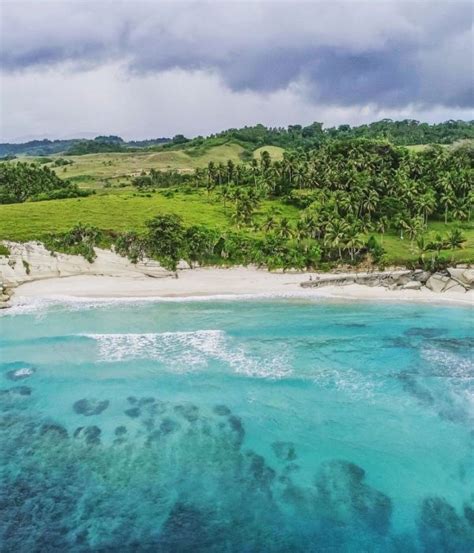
{"x":218,"y":284}
{"x":31,"y":273}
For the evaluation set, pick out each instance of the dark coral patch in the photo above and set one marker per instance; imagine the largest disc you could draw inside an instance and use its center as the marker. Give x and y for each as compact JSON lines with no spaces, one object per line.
{"x":89,"y":434}
{"x":53,"y":430}
{"x":89,"y":407}
{"x":133,"y":413}
{"x":168,"y":426}
{"x":221,"y":410}
{"x":344,"y":494}
{"x":188,"y":411}
{"x":285,"y":451}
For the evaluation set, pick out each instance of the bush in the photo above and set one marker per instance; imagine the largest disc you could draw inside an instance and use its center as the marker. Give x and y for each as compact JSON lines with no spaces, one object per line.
{"x":80,"y":240}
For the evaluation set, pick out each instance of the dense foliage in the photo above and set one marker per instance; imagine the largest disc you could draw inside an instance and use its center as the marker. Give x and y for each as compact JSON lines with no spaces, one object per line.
{"x":20,"y":182}
{"x":402,"y":133}
{"x":346,"y":190}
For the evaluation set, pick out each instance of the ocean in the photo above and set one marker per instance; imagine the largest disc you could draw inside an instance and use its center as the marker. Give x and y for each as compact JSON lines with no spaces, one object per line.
{"x":237,"y":426}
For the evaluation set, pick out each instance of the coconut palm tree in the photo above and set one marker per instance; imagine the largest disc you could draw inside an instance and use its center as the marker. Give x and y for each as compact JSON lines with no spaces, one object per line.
{"x":284,"y":229}
{"x":455,"y":239}
{"x":353,"y":242}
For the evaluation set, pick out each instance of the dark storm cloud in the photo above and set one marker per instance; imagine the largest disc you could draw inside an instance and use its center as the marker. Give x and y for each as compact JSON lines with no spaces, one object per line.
{"x":343,"y":53}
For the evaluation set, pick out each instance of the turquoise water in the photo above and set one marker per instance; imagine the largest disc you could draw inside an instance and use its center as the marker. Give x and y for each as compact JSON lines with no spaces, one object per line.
{"x":237,"y":426}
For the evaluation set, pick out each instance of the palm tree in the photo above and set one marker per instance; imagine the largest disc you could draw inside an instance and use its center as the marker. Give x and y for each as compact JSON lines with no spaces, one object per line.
{"x":426,"y":204}
{"x":413,"y":227}
{"x":353,"y":242}
{"x":370,"y":202}
{"x":336,"y":232}
{"x":381,"y":226}
{"x":460,"y":209}
{"x":284,"y":229}
{"x":447,"y":200}
{"x":270,"y":223}
{"x":455,"y":239}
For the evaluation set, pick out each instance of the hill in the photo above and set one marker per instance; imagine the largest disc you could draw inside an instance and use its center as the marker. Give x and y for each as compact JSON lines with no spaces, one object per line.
{"x":407,"y":132}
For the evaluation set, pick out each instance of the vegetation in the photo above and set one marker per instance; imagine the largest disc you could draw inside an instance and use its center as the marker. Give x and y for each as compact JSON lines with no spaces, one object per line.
{"x":345,"y":201}
{"x":407,"y":132}
{"x":404,"y":133}
{"x":20,"y":182}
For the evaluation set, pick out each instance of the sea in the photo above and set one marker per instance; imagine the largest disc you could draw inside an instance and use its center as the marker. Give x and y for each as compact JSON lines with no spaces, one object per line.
{"x":259,"y":425}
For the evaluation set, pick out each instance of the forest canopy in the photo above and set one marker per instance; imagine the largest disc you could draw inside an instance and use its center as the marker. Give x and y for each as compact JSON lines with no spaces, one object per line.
{"x":20,"y":182}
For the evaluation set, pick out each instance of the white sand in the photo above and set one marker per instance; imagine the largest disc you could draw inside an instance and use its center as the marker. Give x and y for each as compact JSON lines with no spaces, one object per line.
{"x":217,"y":282}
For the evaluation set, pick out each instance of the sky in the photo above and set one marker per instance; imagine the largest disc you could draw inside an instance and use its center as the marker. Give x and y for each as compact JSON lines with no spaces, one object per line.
{"x":145,"y":69}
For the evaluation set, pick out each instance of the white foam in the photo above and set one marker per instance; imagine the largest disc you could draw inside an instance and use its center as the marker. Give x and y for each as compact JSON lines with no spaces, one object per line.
{"x":190,"y":350}
{"x":459,"y":367}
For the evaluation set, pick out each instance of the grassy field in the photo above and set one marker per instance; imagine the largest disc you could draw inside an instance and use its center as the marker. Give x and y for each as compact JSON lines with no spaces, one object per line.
{"x":400,"y":251}
{"x":123,"y":209}
{"x":275,"y":152}
{"x":115,"y":169}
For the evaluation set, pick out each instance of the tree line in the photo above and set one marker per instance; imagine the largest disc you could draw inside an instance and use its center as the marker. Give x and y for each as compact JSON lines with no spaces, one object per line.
{"x":345,"y":191}
{"x":406,"y":132}
{"x":21,"y":182}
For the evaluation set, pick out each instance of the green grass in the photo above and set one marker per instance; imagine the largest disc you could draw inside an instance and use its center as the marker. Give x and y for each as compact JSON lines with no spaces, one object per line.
{"x":276,"y":153}
{"x":121,"y":211}
{"x":402,"y":251}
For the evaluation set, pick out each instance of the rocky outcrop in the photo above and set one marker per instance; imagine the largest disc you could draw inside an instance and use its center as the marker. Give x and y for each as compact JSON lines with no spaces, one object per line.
{"x":458,"y":280}
{"x":32,"y":261}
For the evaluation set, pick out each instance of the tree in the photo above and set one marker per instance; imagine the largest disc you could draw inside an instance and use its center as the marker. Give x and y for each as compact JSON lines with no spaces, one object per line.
{"x":284,"y":229}
{"x":455,"y":239}
{"x":165,"y":239}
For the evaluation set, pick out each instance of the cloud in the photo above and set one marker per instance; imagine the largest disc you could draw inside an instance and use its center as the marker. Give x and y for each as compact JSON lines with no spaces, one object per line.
{"x":338,"y":56}
{"x":346,"y":52}
{"x":62,"y":102}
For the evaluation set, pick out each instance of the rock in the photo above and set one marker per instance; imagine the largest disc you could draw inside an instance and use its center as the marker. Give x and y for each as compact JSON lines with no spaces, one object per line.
{"x":41,"y":263}
{"x":20,"y":374}
{"x":437,"y":282}
{"x":120,"y":430}
{"x":183,"y":265}
{"x":468,"y":277}
{"x":421,"y":276}
{"x":454,"y":286}
{"x":412,"y":285}
{"x":88,"y":407}
{"x":465,"y":277}
{"x":403,"y":280}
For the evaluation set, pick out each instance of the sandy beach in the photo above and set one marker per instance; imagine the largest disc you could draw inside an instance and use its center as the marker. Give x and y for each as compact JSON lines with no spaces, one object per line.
{"x":209,"y":282}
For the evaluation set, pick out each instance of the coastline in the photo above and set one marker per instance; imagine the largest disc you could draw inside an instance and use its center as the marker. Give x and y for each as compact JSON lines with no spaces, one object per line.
{"x":31,"y":273}
{"x":218,"y":283}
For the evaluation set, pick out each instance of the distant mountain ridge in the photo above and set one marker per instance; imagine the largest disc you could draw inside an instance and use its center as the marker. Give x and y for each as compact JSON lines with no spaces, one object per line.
{"x":406,"y":132}
{"x":76,"y":146}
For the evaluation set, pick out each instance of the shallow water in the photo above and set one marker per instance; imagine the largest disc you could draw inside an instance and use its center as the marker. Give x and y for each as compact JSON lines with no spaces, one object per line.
{"x":239,"y":426}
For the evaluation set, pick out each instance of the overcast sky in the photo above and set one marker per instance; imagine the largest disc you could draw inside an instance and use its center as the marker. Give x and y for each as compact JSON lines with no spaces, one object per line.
{"x":143,"y":69}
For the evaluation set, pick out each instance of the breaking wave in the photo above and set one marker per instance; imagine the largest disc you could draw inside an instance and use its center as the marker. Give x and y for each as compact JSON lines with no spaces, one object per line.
{"x":191,"y":350}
